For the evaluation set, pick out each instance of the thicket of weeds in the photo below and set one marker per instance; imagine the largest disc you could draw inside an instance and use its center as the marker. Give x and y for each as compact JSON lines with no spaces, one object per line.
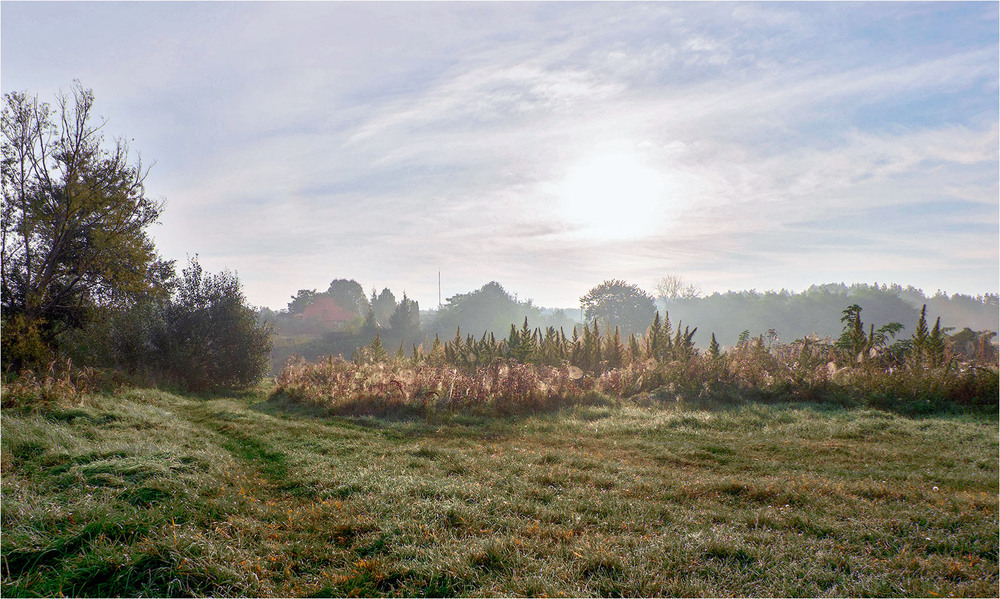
{"x":533,"y":370}
{"x":747,"y":373}
{"x":150,"y":493}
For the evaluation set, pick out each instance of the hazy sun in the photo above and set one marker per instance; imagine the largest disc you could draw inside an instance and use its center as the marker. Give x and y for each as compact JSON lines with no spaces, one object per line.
{"x":613,"y":194}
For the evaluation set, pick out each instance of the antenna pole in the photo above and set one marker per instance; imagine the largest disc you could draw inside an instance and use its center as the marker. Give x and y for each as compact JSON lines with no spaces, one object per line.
{"x":439,"y":289}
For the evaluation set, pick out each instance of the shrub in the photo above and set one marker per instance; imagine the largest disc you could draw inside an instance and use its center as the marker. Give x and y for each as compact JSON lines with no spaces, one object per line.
{"x":22,"y":345}
{"x":203,"y":336}
{"x":212,"y":336}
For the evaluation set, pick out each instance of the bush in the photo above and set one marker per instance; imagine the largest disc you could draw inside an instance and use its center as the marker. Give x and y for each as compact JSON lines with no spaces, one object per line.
{"x":204,"y":336}
{"x":22,"y":345}
{"x":212,"y":336}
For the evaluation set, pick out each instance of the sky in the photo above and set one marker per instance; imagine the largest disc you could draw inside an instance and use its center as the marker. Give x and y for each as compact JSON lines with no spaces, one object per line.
{"x":547,"y":146}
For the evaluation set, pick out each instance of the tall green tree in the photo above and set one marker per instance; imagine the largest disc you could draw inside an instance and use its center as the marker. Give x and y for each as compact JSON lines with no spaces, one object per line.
{"x":383,"y":305}
{"x":405,"y":320}
{"x":75,"y":214}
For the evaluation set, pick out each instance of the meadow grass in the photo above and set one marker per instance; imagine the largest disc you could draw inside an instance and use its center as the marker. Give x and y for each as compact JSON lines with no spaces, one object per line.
{"x":151,"y":493}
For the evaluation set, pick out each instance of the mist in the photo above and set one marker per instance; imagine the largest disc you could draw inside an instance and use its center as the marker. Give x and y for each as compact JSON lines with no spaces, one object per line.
{"x":403,"y":327}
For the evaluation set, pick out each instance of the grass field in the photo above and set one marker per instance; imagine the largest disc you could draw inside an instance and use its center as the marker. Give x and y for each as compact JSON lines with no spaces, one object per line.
{"x":150,"y":493}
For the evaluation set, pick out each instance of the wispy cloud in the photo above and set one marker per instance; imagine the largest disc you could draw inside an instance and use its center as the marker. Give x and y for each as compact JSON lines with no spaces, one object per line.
{"x":794,"y":143}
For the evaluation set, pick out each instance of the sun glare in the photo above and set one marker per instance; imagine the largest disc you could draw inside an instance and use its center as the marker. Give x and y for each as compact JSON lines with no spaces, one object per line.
{"x":613,"y":195}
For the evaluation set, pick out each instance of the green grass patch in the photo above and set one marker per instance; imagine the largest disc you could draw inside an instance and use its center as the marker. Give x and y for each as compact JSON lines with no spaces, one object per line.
{"x":153,"y":493}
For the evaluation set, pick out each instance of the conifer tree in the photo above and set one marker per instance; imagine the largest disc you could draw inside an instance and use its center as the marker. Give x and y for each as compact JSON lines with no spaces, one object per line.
{"x":654,"y":338}
{"x":634,"y":350}
{"x":713,"y":348}
{"x":853,"y":338}
{"x":596,"y":348}
{"x":376,"y":353}
{"x":549,"y":348}
{"x":614,"y":351}
{"x":525,"y":348}
{"x":454,"y":350}
{"x":936,"y":344}
{"x":513,"y":342}
{"x":920,"y":335}
{"x":438,"y":355}
{"x":577,"y":353}
{"x":684,"y":346}
{"x":591,"y":348}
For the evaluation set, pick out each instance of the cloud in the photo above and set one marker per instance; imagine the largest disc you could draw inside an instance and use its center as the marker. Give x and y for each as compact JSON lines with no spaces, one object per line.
{"x":385,"y":141}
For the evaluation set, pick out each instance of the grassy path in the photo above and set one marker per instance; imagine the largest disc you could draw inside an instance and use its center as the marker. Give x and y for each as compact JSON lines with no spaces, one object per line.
{"x":157,"y":494}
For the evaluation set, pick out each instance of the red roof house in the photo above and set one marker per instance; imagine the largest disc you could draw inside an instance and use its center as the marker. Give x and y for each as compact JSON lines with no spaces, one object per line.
{"x":324,"y":311}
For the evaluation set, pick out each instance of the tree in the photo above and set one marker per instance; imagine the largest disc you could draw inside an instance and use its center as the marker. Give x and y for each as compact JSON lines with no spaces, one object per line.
{"x":373,"y":353}
{"x":918,"y":345}
{"x":619,"y":304}
{"x":198,"y":332}
{"x":301,"y":300}
{"x":490,"y":308}
{"x":348,"y":294}
{"x":673,"y":287}
{"x":405,"y":320}
{"x":383,"y":305}
{"x":853,"y":339}
{"x":213,"y":337}
{"x":713,"y":348}
{"x":75,"y":214}
{"x":614,"y":350}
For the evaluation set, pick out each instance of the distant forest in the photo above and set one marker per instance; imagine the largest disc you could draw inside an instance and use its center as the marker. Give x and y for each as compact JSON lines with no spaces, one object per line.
{"x":817,"y":310}
{"x":343,"y":318}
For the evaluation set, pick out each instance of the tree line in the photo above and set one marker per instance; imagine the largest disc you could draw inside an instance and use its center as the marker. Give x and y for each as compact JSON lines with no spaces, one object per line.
{"x":723,"y":319}
{"x":814,"y":311}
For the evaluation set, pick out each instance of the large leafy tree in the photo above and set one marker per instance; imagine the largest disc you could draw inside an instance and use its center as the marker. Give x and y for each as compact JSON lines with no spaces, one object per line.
{"x":75,"y":214}
{"x":490,"y":308}
{"x":301,"y":300}
{"x":619,"y":304}
{"x":348,"y":294}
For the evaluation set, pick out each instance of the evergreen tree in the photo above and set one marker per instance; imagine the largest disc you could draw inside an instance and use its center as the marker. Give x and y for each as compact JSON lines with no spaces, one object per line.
{"x":587,"y":353}
{"x":853,"y":339}
{"x":614,"y":352}
{"x":437,"y":356}
{"x":920,"y":337}
{"x":654,"y":338}
{"x":634,"y":350}
{"x":405,"y":320}
{"x":526,"y":345}
{"x":936,"y":344}
{"x":383,"y":304}
{"x":596,"y":358}
{"x":713,"y":348}
{"x":577,"y":355}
